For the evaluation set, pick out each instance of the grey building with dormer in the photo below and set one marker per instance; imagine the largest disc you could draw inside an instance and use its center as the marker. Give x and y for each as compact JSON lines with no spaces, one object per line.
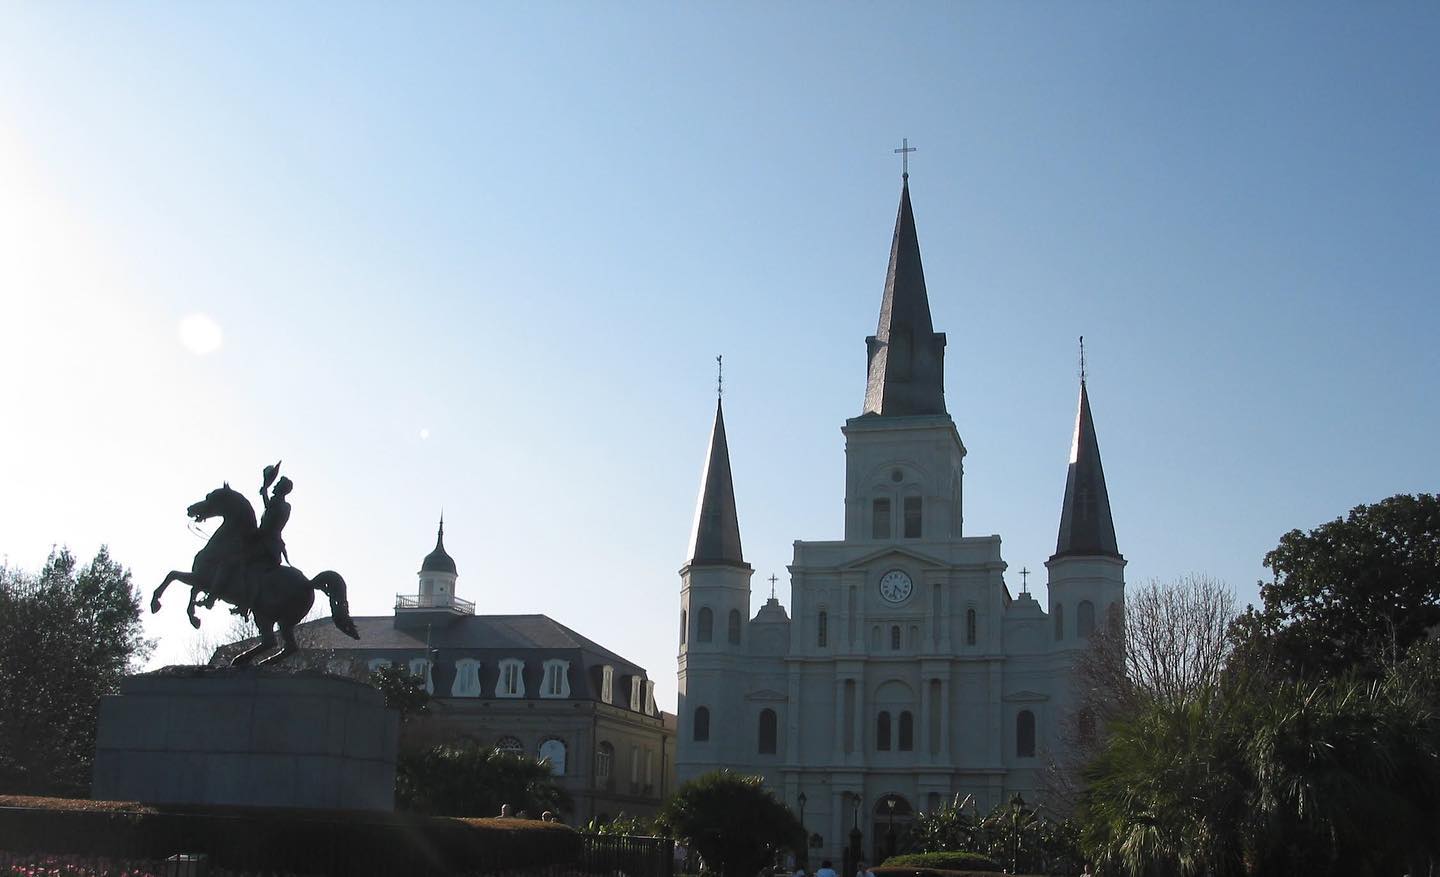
{"x":524,"y":683}
{"x":906,"y":672}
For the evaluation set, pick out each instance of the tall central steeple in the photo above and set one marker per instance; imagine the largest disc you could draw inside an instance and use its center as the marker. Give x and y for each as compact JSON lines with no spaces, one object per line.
{"x":906,"y":354}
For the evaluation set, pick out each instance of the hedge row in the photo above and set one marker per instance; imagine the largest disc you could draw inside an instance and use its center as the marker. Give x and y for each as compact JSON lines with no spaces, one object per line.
{"x":328,"y":842}
{"x":949,"y":861}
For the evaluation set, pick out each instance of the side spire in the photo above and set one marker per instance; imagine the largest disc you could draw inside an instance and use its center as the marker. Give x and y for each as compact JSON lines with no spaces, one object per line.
{"x":715,"y":537}
{"x":906,"y":354}
{"x":1086,"y":527}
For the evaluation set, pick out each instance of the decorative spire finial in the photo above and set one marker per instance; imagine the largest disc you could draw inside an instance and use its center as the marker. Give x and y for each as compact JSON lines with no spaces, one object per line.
{"x":720,"y":376}
{"x":904,"y":153}
{"x":1082,"y":359}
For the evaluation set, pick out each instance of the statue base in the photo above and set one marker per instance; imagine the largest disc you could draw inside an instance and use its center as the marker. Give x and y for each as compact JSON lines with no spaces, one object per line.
{"x":246,"y":736}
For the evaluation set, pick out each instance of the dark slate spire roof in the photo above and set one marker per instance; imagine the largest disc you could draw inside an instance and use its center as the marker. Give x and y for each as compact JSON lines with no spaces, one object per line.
{"x":438,"y":560}
{"x":1086,"y":528}
{"x":716,"y":536}
{"x":907,"y":355}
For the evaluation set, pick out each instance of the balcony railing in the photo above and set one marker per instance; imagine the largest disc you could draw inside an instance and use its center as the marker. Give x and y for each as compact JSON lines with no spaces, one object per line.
{"x":441,"y":601}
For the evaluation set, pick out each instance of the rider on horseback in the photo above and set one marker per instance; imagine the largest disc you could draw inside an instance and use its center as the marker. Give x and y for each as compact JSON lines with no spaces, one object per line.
{"x":271,"y":546}
{"x":237,"y":578}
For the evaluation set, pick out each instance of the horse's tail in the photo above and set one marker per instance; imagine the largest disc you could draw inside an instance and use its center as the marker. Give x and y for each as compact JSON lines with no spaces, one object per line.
{"x":332,"y":585}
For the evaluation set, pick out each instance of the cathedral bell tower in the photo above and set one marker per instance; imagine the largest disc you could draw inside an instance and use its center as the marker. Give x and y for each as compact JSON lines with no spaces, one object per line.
{"x":1086,"y":572}
{"x":714,"y":609}
{"x":904,"y":461}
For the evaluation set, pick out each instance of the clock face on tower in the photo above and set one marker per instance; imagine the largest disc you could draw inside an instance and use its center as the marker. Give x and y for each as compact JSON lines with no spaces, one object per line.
{"x":895,"y":586}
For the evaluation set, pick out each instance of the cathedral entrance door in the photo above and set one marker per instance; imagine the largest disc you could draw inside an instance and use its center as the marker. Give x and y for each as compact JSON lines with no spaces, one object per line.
{"x":890,"y":830}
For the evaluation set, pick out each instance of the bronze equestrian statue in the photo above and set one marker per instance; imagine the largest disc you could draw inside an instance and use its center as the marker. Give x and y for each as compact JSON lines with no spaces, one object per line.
{"x":241,"y":564}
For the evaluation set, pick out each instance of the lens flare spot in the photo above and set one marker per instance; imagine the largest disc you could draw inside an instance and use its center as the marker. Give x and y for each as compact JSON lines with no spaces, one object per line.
{"x":200,"y":334}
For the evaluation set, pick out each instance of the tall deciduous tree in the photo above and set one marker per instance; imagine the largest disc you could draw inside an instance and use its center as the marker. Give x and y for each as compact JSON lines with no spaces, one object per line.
{"x":1355,"y":592}
{"x":67,"y":636}
{"x":734,"y":823}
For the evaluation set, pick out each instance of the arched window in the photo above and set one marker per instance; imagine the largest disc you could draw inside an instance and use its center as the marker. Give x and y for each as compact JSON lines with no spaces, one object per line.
{"x":684,"y":625}
{"x":604,"y":761}
{"x":969,"y":627}
{"x":707,"y":624}
{"x":1059,"y":622}
{"x":553,"y":752}
{"x":894,"y":637}
{"x":907,"y":732}
{"x":702,"y":724}
{"x":767,"y":732}
{"x":1084,"y":619}
{"x":735,"y":626}
{"x":882,"y":732}
{"x":1025,"y":734}
{"x":822,"y":629}
{"x":510,"y":745}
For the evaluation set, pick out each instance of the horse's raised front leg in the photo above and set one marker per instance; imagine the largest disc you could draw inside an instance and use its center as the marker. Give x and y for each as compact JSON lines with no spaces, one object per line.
{"x":174,"y":575}
{"x":190,"y":608}
{"x":287,"y":633}
{"x":267,"y":642}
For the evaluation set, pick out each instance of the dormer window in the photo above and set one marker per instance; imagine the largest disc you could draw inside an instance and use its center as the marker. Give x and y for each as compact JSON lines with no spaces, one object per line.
{"x":512,"y":678}
{"x":420,"y":668}
{"x":650,"y":709}
{"x":635,"y":693}
{"x":467,"y":678}
{"x":557,"y":679}
{"x":607,"y":684}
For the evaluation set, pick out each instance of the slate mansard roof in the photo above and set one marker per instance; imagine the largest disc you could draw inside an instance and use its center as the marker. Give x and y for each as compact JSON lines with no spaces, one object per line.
{"x":486,"y":638}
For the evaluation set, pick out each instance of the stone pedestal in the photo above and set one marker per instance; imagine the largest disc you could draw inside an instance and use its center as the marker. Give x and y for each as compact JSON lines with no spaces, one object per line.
{"x":200,"y":735}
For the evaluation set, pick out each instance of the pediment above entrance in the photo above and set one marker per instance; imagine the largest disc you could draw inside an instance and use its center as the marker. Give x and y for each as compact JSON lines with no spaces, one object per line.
{"x":925,"y":561}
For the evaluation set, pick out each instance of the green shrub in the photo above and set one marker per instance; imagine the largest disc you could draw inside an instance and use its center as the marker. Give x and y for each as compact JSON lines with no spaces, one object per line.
{"x":951,"y":861}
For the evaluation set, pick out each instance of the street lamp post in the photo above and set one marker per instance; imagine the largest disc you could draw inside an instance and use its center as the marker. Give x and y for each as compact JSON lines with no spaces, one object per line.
{"x":890,"y":831}
{"x":856,"y":837}
{"x":804,"y":856}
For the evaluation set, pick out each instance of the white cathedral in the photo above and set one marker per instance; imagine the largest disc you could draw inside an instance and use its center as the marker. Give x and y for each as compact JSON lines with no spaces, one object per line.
{"x":909,"y":673}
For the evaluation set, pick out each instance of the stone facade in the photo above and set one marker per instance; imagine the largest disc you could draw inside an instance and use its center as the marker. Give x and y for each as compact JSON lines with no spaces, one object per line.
{"x":910,"y":672}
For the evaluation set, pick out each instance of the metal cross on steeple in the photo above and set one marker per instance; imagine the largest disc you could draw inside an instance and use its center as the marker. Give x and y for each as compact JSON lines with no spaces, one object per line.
{"x":904,"y":153}
{"x":772,"y":586}
{"x":1024,"y":580}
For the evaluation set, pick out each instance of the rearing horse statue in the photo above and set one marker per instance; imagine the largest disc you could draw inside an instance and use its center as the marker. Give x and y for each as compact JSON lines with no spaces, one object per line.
{"x":233,"y":557}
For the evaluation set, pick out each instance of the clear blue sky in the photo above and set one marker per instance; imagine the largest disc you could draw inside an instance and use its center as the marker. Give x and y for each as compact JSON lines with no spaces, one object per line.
{"x":529,"y":228}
